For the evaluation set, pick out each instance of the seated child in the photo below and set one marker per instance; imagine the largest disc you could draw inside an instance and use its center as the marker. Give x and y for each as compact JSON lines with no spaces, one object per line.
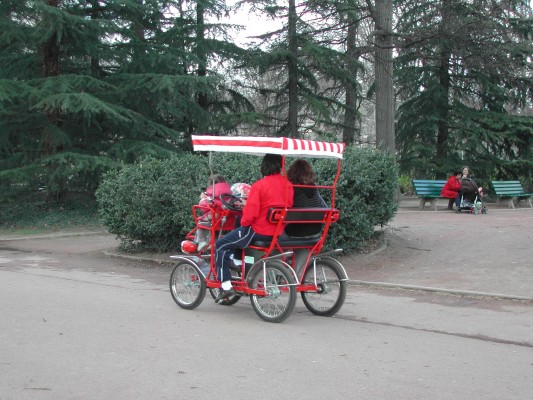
{"x":217,"y":186}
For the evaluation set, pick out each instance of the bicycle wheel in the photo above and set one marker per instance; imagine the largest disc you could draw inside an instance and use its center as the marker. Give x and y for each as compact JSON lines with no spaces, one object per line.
{"x":235,"y":276}
{"x":280,"y":293}
{"x":331,"y":289}
{"x":187,"y":285}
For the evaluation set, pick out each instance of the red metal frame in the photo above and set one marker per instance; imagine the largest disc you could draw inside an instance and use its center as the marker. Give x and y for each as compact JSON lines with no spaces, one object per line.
{"x":223,"y":219}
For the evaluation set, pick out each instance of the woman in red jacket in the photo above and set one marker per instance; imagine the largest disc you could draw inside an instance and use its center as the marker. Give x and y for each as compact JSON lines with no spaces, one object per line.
{"x":273,"y":190}
{"x":451,"y":190}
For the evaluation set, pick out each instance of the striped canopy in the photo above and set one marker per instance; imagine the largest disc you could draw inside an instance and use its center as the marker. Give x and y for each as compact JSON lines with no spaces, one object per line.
{"x":263,"y":145}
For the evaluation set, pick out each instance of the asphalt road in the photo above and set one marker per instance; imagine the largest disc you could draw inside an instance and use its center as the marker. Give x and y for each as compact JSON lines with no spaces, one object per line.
{"x":76,"y":324}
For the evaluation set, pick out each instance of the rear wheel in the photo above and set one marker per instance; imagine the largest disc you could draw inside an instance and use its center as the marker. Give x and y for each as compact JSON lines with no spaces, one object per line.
{"x":331,"y":289}
{"x":280,"y":292}
{"x":187,"y":285}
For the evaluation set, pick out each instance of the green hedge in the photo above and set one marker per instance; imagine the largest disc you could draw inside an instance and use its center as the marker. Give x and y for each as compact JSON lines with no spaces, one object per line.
{"x":148,"y":204}
{"x":366,"y":194}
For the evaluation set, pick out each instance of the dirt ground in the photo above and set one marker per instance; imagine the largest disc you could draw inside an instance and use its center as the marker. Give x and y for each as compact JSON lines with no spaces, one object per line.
{"x":489,"y":253}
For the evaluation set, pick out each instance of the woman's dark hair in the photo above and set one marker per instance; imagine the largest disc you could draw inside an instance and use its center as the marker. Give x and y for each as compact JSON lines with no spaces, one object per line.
{"x":301,"y":173}
{"x":455,"y":173}
{"x":271,"y":164}
{"x":213,"y":179}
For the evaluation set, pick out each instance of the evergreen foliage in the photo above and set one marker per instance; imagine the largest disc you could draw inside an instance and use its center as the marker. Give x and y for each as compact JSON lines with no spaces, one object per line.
{"x":366,"y":195}
{"x":86,"y":86}
{"x":305,"y":70}
{"x":465,"y":77}
{"x":148,"y":204}
{"x":139,"y":203}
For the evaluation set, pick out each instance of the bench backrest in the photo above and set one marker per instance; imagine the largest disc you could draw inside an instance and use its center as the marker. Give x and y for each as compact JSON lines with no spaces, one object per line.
{"x":427,"y":188}
{"x":502,"y":188}
{"x":303,"y":215}
{"x":304,"y":248}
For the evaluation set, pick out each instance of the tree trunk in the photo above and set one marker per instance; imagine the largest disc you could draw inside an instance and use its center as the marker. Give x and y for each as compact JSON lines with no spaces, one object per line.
{"x":385,"y":139}
{"x":293,"y":72}
{"x":443,"y":100}
{"x":50,"y":53}
{"x":443,"y":109}
{"x":200,"y":52}
{"x":350,"y":114}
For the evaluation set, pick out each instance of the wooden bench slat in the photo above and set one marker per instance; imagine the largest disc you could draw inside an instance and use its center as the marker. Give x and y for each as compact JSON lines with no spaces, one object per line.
{"x":511,"y":190}
{"x":428,"y":191}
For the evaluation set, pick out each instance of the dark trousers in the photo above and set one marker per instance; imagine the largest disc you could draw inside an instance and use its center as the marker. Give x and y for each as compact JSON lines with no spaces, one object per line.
{"x":457,"y":201}
{"x":227,"y":245}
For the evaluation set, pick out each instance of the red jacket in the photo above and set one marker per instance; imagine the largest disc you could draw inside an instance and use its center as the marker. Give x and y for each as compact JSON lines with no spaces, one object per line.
{"x":214,"y":198}
{"x":451,"y":188}
{"x":270,"y":191}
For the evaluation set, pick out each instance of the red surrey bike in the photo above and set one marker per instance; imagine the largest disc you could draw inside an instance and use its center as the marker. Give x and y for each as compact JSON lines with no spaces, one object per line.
{"x":272,"y":272}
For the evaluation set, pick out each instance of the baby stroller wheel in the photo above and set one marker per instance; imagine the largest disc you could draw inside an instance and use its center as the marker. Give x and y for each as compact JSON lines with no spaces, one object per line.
{"x":483,"y":210}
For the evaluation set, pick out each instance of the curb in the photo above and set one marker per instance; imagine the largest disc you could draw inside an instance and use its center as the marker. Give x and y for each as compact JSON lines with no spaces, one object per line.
{"x":52,"y":236}
{"x":382,"y":247}
{"x":465,"y":293}
{"x":137,"y":258}
{"x":353,"y":282}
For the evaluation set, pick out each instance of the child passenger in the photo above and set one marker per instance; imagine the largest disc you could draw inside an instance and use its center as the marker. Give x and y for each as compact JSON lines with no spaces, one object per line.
{"x":216,"y":187}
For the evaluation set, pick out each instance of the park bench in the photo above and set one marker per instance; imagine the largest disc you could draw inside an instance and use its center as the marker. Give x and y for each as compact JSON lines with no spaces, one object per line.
{"x":512,"y":191}
{"x":428,"y":192}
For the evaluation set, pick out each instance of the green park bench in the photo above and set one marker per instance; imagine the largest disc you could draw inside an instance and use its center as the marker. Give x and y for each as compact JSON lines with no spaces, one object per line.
{"x":428,"y":192}
{"x":512,"y":191}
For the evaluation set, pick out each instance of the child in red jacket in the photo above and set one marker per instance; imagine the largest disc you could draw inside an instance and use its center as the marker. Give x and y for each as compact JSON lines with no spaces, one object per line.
{"x":209,"y":197}
{"x":451,"y":189}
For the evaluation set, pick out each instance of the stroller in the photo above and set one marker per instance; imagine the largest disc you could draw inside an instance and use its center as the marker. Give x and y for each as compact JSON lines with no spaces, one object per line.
{"x":471,"y":197}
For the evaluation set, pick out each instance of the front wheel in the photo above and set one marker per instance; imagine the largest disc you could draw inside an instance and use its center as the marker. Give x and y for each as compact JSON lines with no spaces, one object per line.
{"x":279,"y":297}
{"x":330,"y":288}
{"x":187,"y":284}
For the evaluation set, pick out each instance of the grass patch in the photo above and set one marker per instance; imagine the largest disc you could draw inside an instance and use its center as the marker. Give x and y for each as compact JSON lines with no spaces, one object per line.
{"x":33,"y":213}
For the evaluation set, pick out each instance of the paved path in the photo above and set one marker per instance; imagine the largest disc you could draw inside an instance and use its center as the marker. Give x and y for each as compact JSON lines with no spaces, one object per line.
{"x":441,"y":250}
{"x":489,"y":253}
{"x":77,"y":324}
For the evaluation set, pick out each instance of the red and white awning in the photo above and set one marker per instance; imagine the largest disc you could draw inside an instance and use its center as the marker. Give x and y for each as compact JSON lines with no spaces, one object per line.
{"x":263,"y":145}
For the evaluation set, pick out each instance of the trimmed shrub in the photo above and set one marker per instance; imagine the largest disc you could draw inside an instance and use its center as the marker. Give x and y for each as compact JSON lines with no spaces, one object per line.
{"x":148,"y":204}
{"x":366,"y":194}
{"x":406,"y":186}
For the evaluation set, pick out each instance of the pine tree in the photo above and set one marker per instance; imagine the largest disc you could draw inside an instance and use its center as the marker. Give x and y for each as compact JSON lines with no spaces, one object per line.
{"x":465,"y":79}
{"x":305,"y":71}
{"x":87,"y":85}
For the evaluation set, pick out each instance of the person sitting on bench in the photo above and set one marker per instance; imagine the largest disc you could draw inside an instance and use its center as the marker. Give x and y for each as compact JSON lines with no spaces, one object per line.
{"x":451,"y":190}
